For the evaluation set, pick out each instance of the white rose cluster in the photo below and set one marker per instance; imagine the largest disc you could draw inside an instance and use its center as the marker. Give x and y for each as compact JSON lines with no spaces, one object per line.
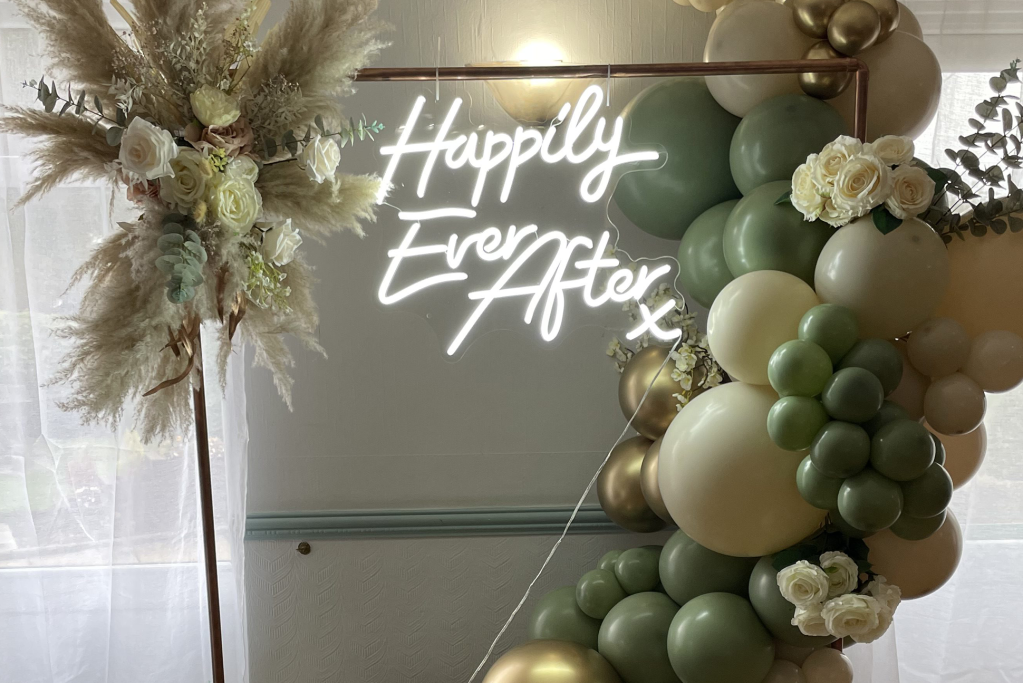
{"x":849,"y":179}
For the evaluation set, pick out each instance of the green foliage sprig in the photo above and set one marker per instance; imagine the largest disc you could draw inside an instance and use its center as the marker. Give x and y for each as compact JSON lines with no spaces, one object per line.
{"x":265,"y":286}
{"x":183,"y":257}
{"x":50,"y":97}
{"x":355,"y":130}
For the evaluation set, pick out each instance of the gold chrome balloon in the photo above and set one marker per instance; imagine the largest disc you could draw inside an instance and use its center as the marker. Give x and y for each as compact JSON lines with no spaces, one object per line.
{"x":823,"y":86}
{"x":812,"y":16}
{"x":889,"y":13}
{"x":854,"y":27}
{"x":619,"y":489}
{"x":648,"y":482}
{"x":659,"y":408}
{"x":551,"y":661}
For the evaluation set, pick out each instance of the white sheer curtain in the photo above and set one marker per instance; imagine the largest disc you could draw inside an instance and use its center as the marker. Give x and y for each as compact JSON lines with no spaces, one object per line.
{"x":101,"y":577}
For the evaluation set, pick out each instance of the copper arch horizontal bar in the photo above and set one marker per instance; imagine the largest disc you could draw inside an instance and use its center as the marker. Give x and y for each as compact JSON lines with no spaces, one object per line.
{"x":492,"y":73}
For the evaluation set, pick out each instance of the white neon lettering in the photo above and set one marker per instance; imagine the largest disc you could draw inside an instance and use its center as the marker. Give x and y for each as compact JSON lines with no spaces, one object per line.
{"x":650,"y":323}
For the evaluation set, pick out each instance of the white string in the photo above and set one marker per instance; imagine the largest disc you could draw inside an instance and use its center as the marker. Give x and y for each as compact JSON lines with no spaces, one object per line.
{"x":571,"y":519}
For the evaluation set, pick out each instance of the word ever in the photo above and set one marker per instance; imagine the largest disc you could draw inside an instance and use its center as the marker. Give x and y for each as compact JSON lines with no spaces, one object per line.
{"x":518,"y":149}
{"x":512,"y":247}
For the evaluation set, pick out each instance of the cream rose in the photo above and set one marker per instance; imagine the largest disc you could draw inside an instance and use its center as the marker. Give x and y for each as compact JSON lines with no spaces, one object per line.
{"x":863,"y":183}
{"x":892,"y":149}
{"x":803,"y":584}
{"x":214,"y":107}
{"x":912,"y":192}
{"x":147,"y":150}
{"x":843,"y":574}
{"x":188,"y":184}
{"x":234,"y":201}
{"x":885,"y":593}
{"x":805,"y":196}
{"x":280,"y":241}
{"x":831,"y":160}
{"x":243,"y":167}
{"x":835,"y":216}
{"x":320,"y":158}
{"x":809,"y":621}
{"x":851,"y":615}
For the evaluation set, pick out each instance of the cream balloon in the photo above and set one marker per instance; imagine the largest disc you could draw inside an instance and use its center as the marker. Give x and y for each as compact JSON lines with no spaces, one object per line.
{"x":752,"y":316}
{"x":828,"y":665}
{"x":791,"y":653}
{"x":749,"y":32}
{"x":891,"y":282}
{"x":708,"y":5}
{"x":912,"y":387}
{"x":995,"y":361}
{"x":918,"y":568}
{"x":683,"y":3}
{"x":964,"y":453}
{"x":908,"y":23}
{"x":725,"y":483}
{"x":904,"y":87}
{"x":954,"y":404}
{"x":938,"y":347}
{"x":783,"y":671}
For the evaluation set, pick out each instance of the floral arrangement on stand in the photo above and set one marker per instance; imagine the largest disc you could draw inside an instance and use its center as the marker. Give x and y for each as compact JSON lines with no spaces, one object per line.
{"x":230,"y":150}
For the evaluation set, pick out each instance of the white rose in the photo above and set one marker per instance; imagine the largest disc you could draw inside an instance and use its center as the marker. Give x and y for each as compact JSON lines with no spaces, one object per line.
{"x":892,"y":149}
{"x":320,"y":158}
{"x":234,"y":201}
{"x":912,"y":192}
{"x":280,"y":241}
{"x":835,"y":216}
{"x":188,"y":184}
{"x":810,"y":621}
{"x":884,"y":621}
{"x":805,"y":197}
{"x":843,"y":574}
{"x":214,"y":107}
{"x":885,"y":593}
{"x":851,"y":615}
{"x":803,"y":584}
{"x":243,"y":167}
{"x":147,"y":150}
{"x":832,"y":158}
{"x":863,"y":183}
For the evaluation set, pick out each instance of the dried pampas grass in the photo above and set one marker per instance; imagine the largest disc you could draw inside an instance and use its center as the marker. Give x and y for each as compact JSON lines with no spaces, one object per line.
{"x":318,"y":209}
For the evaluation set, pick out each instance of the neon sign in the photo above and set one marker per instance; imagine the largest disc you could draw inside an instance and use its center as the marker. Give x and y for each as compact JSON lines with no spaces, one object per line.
{"x":576,"y":261}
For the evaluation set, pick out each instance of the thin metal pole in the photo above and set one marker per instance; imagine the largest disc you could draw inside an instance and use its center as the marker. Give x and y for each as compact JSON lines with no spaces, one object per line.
{"x":861,"y":83}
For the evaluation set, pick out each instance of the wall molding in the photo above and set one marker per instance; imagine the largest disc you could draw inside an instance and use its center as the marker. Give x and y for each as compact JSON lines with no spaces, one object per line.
{"x":515,"y":521}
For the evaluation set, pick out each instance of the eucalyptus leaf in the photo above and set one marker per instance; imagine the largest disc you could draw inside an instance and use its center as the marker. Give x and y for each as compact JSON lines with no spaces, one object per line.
{"x":166,"y":263}
{"x":318,"y":120}
{"x":114,"y":136}
{"x":80,"y":104}
{"x":1015,"y":222}
{"x":169,"y":241}
{"x":51,"y":102}
{"x":99,"y":105}
{"x":997,"y":84}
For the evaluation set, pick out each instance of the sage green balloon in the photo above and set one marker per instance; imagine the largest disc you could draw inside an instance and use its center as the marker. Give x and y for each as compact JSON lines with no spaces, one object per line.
{"x":902,"y":450}
{"x":609,"y":559}
{"x":928,"y":494}
{"x":680,"y":116}
{"x":763,"y":235}
{"x":870,"y":501}
{"x":634,"y":638}
{"x":917,"y":528}
{"x":831,"y":327}
{"x":799,"y":368}
{"x":774,"y":611}
{"x":847,"y":528}
{"x":777,"y":135}
{"x":701,"y":256}
{"x":688,"y":569}
{"x":841,"y":449}
{"x":794,"y":421}
{"x":597,"y":592}
{"x":853,"y":395}
{"x":636,"y":569}
{"x":879,"y":357}
{"x":717,"y":638}
{"x":816,"y":488}
{"x":557,"y":617}
{"x":888,"y":412}
{"x":939,"y":450}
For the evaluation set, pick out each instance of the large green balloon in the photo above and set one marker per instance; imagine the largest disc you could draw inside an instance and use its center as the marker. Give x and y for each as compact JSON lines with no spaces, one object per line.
{"x":597,"y":592}
{"x":889,"y":412}
{"x":701,"y":256}
{"x":831,"y":327}
{"x":763,"y":235}
{"x":845,"y":527}
{"x":774,"y":610}
{"x":929,"y":494}
{"x":777,"y":135}
{"x":853,"y":395}
{"x":816,"y":488}
{"x":841,"y":449}
{"x":799,"y":368}
{"x":557,"y":617}
{"x":902,"y":450}
{"x":688,"y":570}
{"x":717,"y":638}
{"x":681,"y":116}
{"x":870,"y":501}
{"x":634,"y":638}
{"x":636,"y":569}
{"x":879,"y":357}
{"x":794,"y":421}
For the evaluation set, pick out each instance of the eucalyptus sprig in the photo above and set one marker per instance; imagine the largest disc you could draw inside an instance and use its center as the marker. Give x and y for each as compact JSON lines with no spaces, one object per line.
{"x":50,"y":97}
{"x":359,"y":129}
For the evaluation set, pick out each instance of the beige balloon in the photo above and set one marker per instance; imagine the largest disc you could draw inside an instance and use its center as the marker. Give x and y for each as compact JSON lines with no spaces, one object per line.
{"x":912,"y":387}
{"x":828,"y":665}
{"x":620,"y":492}
{"x":753,"y":31}
{"x":938,"y":347}
{"x":783,"y":671}
{"x":995,"y":361}
{"x":918,"y":568}
{"x":647,"y":370}
{"x":891,"y":282}
{"x":684,"y":3}
{"x":708,"y":5}
{"x":551,"y":661}
{"x":904,"y":88}
{"x":791,"y":653}
{"x":854,"y":27}
{"x":954,"y":404}
{"x":648,"y":482}
{"x":908,"y":23}
{"x":752,"y":316}
{"x":964,"y":453}
{"x":723,"y":480}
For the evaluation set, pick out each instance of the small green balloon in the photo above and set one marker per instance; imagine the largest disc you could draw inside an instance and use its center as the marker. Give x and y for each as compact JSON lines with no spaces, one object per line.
{"x":701,"y":256}
{"x":939,"y":450}
{"x":917,"y":529}
{"x":688,"y":569}
{"x":763,"y":235}
{"x":608,"y":560}
{"x":841,"y":449}
{"x":774,"y":610}
{"x":799,"y":368}
{"x":889,"y":412}
{"x":634,"y":638}
{"x":845,"y":527}
{"x":816,"y":488}
{"x":776,"y":136}
{"x":880,"y":358}
{"x":831,"y":327}
{"x":794,"y":421}
{"x":557,"y":617}
{"x":597,"y":592}
{"x":853,"y":395}
{"x":902,"y":450}
{"x":870,"y":501}
{"x":928,"y":494}
{"x":636,"y":569}
{"x":717,"y":638}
